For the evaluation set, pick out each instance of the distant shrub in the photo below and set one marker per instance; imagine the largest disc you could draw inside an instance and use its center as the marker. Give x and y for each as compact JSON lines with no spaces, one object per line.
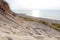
{"x":44,"y":22}
{"x":57,"y":25}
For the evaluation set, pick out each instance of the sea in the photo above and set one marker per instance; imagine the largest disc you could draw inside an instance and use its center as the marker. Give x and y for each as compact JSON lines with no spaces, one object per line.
{"x":49,"y":14}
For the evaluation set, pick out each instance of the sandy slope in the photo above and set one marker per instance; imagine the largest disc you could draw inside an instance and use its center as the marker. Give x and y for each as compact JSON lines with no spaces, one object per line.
{"x":15,"y":27}
{"x":10,"y":29}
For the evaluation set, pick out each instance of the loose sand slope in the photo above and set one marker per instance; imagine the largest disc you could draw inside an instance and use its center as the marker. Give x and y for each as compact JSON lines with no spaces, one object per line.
{"x":15,"y":27}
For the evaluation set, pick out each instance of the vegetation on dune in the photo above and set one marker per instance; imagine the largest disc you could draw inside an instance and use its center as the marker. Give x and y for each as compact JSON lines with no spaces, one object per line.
{"x":56,"y":26}
{"x":53,"y":25}
{"x":43,"y":22}
{"x":26,"y":19}
{"x":30,"y":19}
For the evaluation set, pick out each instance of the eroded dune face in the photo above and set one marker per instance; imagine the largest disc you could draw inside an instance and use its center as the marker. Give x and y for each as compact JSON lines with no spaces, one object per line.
{"x":14,"y":27}
{"x":4,"y":6}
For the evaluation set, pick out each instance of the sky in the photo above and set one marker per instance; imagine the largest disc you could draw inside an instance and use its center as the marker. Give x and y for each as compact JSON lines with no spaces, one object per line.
{"x":36,"y":6}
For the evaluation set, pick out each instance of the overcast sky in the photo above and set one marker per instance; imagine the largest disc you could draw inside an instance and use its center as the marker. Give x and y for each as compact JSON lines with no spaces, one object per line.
{"x":34,"y":4}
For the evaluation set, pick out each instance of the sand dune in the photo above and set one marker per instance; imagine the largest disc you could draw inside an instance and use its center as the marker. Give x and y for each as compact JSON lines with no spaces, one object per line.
{"x":22,"y":27}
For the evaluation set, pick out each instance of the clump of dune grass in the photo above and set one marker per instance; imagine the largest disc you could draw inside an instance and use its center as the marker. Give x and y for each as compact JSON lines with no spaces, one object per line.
{"x":43,"y":22}
{"x":56,"y":26}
